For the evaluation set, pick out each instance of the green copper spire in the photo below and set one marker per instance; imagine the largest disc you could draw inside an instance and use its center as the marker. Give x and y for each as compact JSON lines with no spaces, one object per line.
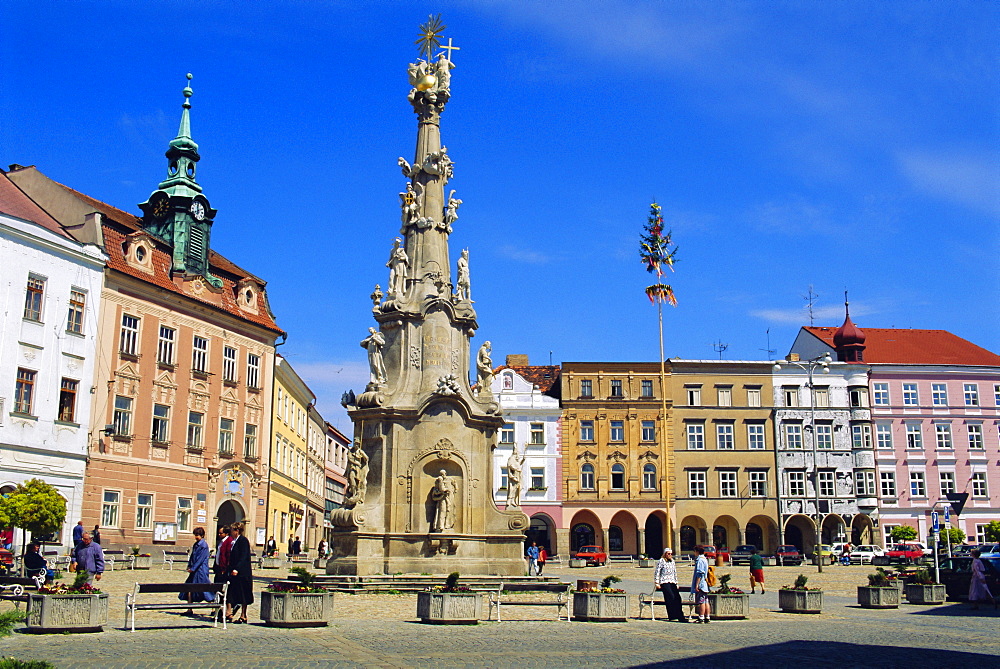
{"x":182,"y":156}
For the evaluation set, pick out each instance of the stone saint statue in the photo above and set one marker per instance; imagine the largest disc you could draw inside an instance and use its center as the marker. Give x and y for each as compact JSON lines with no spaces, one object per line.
{"x":484,"y":369}
{"x":514,"y":466}
{"x":451,"y":211}
{"x":398,"y":264}
{"x":443,"y":68}
{"x":357,"y":474}
{"x":464,"y":291}
{"x":443,"y":494}
{"x":409,"y":204}
{"x":374,"y":343}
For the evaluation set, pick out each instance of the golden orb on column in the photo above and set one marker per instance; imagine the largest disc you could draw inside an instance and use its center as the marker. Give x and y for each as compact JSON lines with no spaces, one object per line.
{"x":426,"y":82}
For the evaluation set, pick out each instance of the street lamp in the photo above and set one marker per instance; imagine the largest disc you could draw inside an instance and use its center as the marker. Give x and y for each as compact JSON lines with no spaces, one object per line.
{"x":823,"y":362}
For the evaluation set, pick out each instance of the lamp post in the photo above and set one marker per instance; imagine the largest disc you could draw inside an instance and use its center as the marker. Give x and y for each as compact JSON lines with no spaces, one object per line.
{"x":809,"y":366}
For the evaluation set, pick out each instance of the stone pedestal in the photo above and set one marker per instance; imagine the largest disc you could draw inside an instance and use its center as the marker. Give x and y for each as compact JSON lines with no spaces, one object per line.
{"x":870,"y":597}
{"x":600,"y":607}
{"x":450,"y":608}
{"x":800,"y":601}
{"x":729,"y":606}
{"x":296,"y":609}
{"x":51,"y":614}
{"x":917,"y":593}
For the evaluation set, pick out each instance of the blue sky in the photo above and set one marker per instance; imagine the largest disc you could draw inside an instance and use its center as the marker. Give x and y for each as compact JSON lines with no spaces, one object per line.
{"x":847,"y":145}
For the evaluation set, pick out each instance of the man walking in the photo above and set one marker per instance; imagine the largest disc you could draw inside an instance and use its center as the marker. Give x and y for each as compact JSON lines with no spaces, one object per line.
{"x":665,"y":578}
{"x":699,"y":586}
{"x":90,"y":558}
{"x":756,"y":571}
{"x":533,"y":559}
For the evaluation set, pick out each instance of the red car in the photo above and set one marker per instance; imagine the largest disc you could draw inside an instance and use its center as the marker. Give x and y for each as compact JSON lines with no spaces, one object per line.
{"x":905,"y":553}
{"x":788,"y":554}
{"x":711,"y":553}
{"x":592,"y":554}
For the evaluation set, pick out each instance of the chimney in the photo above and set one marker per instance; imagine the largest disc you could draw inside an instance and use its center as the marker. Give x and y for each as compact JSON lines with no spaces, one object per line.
{"x":517,"y":360}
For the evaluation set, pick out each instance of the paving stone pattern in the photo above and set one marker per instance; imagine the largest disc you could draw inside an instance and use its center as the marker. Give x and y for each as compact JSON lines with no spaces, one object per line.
{"x":381,"y":631}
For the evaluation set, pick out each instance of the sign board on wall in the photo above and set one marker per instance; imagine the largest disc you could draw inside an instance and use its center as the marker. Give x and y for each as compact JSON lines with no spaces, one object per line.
{"x":260,"y":536}
{"x":165,"y":532}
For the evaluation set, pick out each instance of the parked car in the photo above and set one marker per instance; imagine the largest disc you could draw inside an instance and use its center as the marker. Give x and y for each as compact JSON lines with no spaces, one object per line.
{"x":865,"y":553}
{"x":788,"y":555}
{"x":838,"y":549}
{"x":906,"y":553}
{"x":824,"y":550}
{"x":956,"y":573}
{"x":711,"y":553}
{"x":592,"y":554}
{"x":742,"y":554}
{"x":989,"y":549}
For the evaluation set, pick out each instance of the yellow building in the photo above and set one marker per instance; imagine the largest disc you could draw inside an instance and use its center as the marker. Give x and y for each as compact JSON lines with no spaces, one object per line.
{"x":615,"y":463}
{"x":289,"y":464}
{"x":723,"y":437}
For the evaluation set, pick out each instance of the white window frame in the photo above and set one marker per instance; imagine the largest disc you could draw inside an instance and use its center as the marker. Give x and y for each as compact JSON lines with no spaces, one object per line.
{"x":725,"y":439}
{"x":195,"y":430}
{"x":918,"y":485}
{"x":537,"y":478}
{"x":979,"y":484}
{"x":827,"y":482}
{"x":975,"y":435}
{"x":616,"y":431}
{"x":230,"y":358}
{"x":122,"y":416}
{"x":914,"y":436}
{"x":695,"y":436}
{"x":617,"y":390}
{"x":796,"y":483}
{"x":939,"y":394}
{"x":253,"y":370}
{"x":946,"y":481}
{"x":821,"y":396}
{"x":887,"y":484}
{"x":160,"y":430}
{"x":111,"y":502}
{"x":790,"y":396}
{"x":883,"y":435}
{"x":728,"y":484}
{"x":184,"y":510}
{"x":165,"y":341}
{"x":199,"y":354}
{"x":504,"y":478}
{"x":824,"y":436}
{"x":587,"y":430}
{"x":971,"y":393}
{"x":227,"y":436}
{"x":911,"y":395}
{"x":507,"y":433}
{"x":724,"y":396}
{"x":880,"y":394}
{"x":864,"y":483}
{"x":693,"y":396}
{"x":144,"y":511}
{"x":758,"y":482}
{"x":649,"y":476}
{"x":249,"y":441}
{"x":697,"y":487}
{"x":648,"y":430}
{"x":536,"y":434}
{"x":128,"y":342}
{"x":756,"y":437}
{"x":587,"y":480}
{"x":942,"y":437}
{"x":793,"y":436}
{"x":617,"y":469}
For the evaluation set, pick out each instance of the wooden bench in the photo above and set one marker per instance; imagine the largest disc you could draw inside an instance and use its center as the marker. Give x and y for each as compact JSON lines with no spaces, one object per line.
{"x":649,"y":600}
{"x":111,"y":556}
{"x":218,"y":607}
{"x":502,"y":597}
{"x":169,"y":557}
{"x":620,"y":558}
{"x":12,"y":587}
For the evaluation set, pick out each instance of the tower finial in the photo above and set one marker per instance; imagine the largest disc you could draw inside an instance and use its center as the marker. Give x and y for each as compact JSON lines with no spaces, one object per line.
{"x":847,"y":305}
{"x":188,"y":92}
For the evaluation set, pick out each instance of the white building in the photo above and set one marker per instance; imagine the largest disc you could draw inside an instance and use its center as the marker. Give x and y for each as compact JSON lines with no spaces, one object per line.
{"x":528,"y":397}
{"x":50,"y":288}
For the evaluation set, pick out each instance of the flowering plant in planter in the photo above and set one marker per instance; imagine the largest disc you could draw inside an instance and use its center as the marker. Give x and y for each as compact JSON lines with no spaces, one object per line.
{"x":880,"y":579}
{"x":79,"y":587}
{"x":305,"y":583}
{"x":921,"y":577}
{"x":451,"y":584}
{"x":800,"y":584}
{"x":725,"y":588}
{"x":606,"y":586}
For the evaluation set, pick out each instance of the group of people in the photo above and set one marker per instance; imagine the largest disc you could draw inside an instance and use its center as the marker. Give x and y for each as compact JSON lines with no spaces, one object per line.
{"x":537,"y":556}
{"x":232,"y":565}
{"x":665,"y":579}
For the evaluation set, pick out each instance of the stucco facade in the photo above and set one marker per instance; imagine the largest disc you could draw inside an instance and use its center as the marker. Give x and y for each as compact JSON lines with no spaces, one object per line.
{"x":289,"y":461}
{"x":48,"y":334}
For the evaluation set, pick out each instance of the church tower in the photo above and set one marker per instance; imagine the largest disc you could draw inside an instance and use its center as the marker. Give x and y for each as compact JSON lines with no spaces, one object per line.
{"x":177,"y":212}
{"x":419,"y":495}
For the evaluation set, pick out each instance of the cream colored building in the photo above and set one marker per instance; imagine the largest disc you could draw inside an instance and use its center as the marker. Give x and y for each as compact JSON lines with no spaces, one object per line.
{"x":287,"y":500}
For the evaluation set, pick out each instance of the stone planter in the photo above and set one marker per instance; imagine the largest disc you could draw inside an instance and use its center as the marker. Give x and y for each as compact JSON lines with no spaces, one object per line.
{"x":52,"y":614}
{"x":296,"y":609}
{"x":450,"y":608}
{"x":878,"y":598}
{"x":600,"y":607}
{"x":142,"y":561}
{"x":800,"y":601}
{"x":272,"y":563}
{"x":917,"y":593}
{"x":576,"y":563}
{"x":729,"y":606}
{"x":647,"y":562}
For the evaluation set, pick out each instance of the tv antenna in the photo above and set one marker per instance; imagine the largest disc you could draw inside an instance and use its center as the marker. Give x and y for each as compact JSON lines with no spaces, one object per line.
{"x":720,"y":348}
{"x":770,"y":351}
{"x":810,"y":299}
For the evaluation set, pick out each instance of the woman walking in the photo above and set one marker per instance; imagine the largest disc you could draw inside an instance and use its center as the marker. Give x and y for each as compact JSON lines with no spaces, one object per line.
{"x":240,"y":591}
{"x":665,"y":578}
{"x":198,"y":570}
{"x":223,"y":544}
{"x":756,"y":571}
{"x":978,"y":590}
{"x":543,"y":556}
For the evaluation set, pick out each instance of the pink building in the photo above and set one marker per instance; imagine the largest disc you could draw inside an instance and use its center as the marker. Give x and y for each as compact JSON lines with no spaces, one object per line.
{"x":935,"y":401}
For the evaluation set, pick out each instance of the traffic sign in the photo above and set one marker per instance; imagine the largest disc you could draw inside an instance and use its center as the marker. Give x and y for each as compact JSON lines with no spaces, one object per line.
{"x":947,"y":514}
{"x":935,"y":520}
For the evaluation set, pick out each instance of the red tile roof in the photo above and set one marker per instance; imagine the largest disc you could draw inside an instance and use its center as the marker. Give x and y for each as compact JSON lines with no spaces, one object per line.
{"x":546,"y":377}
{"x":15,"y":202}
{"x":117,"y":224}
{"x":915,"y":347}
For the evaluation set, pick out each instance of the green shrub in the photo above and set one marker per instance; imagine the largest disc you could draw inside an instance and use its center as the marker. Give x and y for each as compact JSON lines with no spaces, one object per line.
{"x":305,"y":576}
{"x":8,"y":619}
{"x":903,"y":533}
{"x":14,"y":663}
{"x":880,"y":579}
{"x":609,"y":579}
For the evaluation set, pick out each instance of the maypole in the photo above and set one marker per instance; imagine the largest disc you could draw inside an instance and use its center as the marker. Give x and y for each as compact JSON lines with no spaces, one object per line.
{"x":657,"y":251}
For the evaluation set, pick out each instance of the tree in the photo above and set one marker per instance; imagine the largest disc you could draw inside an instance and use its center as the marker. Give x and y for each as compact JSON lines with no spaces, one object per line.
{"x":34,"y":506}
{"x":903,"y":533}
{"x":992,"y":530}
{"x":955,"y":535}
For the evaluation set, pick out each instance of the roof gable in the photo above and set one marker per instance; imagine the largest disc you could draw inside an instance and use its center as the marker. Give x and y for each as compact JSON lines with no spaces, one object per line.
{"x":912,"y":347}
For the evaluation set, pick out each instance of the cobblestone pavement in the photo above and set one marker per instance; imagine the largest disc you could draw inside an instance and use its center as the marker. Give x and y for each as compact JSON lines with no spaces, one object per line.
{"x":381,"y":631}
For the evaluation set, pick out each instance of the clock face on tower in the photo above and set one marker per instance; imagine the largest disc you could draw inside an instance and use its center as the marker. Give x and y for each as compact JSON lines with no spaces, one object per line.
{"x":161,"y":208}
{"x":198,"y":210}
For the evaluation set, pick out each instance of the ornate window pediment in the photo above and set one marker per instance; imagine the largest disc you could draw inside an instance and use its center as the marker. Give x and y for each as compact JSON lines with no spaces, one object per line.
{"x":247,"y":293}
{"x":137,"y":250}
{"x":617,"y":456}
{"x":587,"y":456}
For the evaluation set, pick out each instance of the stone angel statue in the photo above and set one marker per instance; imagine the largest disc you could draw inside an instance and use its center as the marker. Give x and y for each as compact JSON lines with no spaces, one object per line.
{"x":484,"y":370}
{"x":464,"y":288}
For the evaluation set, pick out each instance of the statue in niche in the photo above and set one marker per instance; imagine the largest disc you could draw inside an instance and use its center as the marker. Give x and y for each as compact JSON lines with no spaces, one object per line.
{"x":443,"y":494}
{"x":398,"y":264}
{"x":357,"y":475}
{"x":515,"y":465}
{"x":409,"y":204}
{"x":374,"y":343}
{"x":844,"y":487}
{"x":443,"y":68}
{"x":484,"y":369}
{"x":376,"y":296}
{"x":464,"y":288}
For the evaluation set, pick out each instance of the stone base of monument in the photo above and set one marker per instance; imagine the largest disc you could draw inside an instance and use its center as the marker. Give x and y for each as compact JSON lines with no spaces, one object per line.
{"x":296,"y":609}
{"x":450,"y":608}
{"x":272,"y":562}
{"x":360,"y":553}
{"x":600,"y":607}
{"x":55,"y":614}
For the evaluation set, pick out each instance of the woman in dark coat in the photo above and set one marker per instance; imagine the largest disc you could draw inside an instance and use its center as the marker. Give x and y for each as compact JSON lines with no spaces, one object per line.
{"x":198,"y":570}
{"x":240,"y":577}
{"x":222,"y":546}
